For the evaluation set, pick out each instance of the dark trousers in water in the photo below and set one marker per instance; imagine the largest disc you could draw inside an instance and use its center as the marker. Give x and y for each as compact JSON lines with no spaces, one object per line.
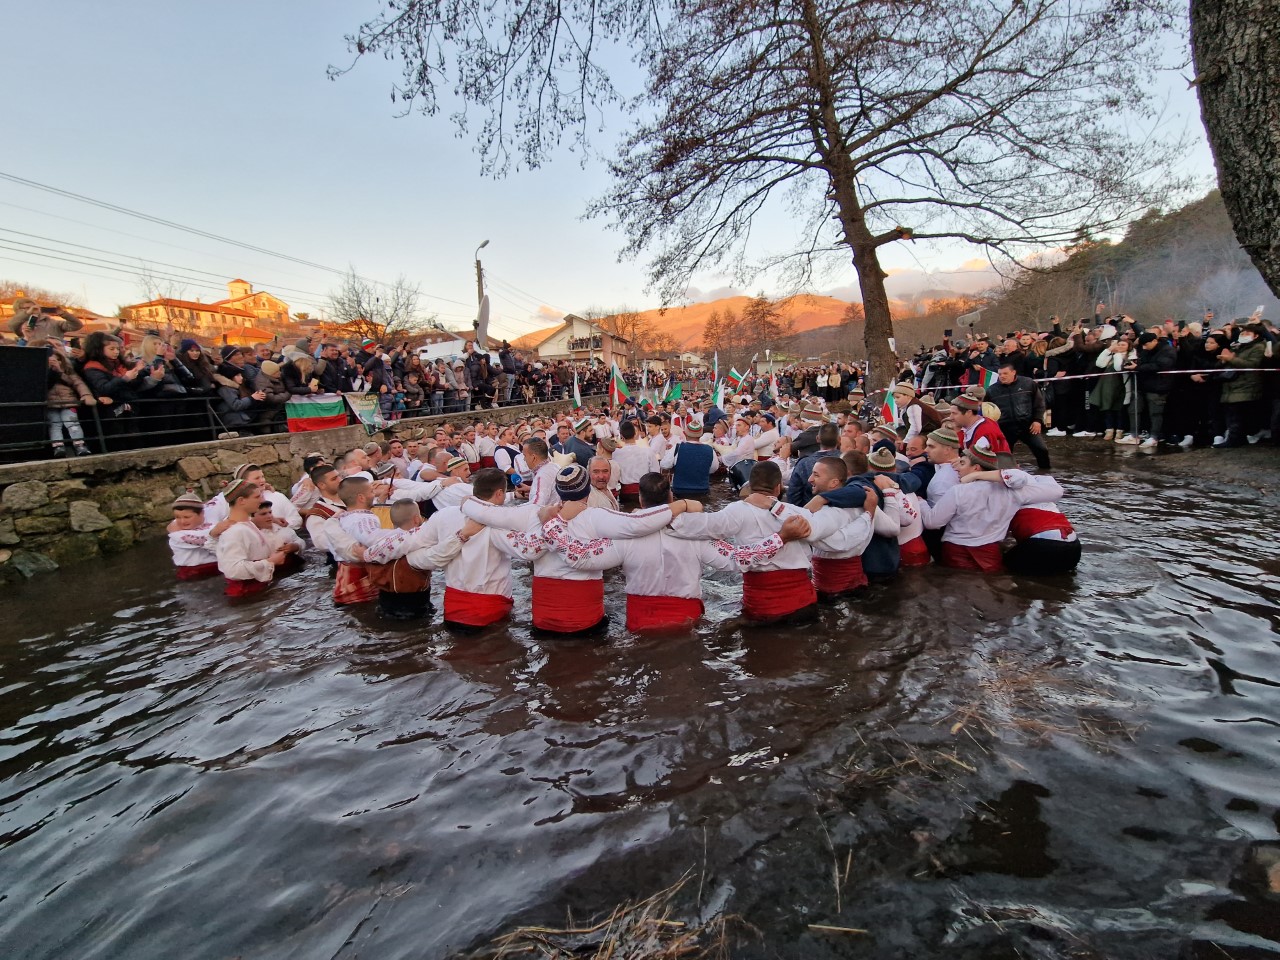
{"x":933,"y":540}
{"x":1034,"y":441}
{"x":1043,"y":557}
{"x":405,"y":606}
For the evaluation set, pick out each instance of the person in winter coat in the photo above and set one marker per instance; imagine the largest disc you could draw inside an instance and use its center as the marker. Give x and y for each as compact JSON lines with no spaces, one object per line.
{"x":1109,"y":395}
{"x":271,"y":416}
{"x":415,"y":394}
{"x":1243,"y":389}
{"x":1155,"y":354}
{"x":66,"y":391}
{"x":297,"y":376}
{"x":115,"y":384}
{"x":238,"y":403}
{"x":193,"y":369}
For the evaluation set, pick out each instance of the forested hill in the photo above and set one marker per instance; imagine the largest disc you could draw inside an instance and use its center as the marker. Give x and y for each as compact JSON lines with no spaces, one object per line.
{"x":1168,"y":265}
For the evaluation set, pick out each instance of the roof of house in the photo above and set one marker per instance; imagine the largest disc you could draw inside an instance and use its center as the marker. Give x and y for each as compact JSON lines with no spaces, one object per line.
{"x":193,"y":305}
{"x":531,"y":341}
{"x":249,"y":296}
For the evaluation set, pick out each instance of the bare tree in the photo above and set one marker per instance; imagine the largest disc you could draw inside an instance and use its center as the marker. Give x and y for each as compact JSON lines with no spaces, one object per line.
{"x":1002,"y":124}
{"x":381,"y":312}
{"x":1236,"y":46}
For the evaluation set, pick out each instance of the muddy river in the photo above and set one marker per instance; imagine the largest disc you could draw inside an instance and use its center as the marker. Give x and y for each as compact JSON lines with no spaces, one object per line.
{"x":951,"y":767}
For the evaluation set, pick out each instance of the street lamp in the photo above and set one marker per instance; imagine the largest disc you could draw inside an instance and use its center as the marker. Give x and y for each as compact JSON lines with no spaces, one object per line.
{"x":480,"y":274}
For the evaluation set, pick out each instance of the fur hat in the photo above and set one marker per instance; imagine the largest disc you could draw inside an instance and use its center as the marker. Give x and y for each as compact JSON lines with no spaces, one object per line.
{"x":990,"y":410}
{"x":573,"y":483}
{"x":982,"y":455}
{"x":882,"y":459}
{"x":270,"y":368}
{"x":945,"y":436}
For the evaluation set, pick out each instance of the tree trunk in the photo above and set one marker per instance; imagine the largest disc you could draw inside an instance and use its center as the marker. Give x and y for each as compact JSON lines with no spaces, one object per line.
{"x":1236,"y":47}
{"x":877,"y":328}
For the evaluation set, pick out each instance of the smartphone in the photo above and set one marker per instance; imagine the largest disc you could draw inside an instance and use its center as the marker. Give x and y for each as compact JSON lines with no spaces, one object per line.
{"x":48,"y":309}
{"x":947,"y":333}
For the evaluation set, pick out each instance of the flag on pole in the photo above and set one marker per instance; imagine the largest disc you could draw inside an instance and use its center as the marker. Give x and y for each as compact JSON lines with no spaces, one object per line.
{"x":734,"y":379}
{"x":617,"y":387}
{"x":715,"y":367}
{"x":674,"y":392}
{"x":889,"y":411}
{"x":577,"y":394}
{"x":717,"y":395}
{"x":987,"y":378}
{"x":773,"y":386}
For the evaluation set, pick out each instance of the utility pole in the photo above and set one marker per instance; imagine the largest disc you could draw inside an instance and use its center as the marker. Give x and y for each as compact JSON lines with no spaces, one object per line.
{"x":480,"y":275}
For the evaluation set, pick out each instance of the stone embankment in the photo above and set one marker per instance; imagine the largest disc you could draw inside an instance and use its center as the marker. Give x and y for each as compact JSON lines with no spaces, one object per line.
{"x":57,"y":513}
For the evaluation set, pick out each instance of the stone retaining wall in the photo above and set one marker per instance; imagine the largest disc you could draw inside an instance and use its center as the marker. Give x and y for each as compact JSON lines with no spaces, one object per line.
{"x":59,"y":512}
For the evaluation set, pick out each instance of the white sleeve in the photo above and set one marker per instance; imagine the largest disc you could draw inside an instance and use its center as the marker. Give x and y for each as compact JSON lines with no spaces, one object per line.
{"x":1029,"y":489}
{"x":628,"y":526}
{"x":338,"y":541}
{"x":940,"y":514}
{"x":416,"y":490}
{"x":914,"y":420}
{"x":822,"y":524}
{"x":852,"y":537}
{"x":520,"y":518}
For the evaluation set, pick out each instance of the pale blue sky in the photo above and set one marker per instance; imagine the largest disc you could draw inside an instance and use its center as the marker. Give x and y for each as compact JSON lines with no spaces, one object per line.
{"x":219,"y":116}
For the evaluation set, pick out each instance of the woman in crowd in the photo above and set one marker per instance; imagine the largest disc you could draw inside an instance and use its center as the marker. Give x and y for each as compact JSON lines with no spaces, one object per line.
{"x":115,"y":384}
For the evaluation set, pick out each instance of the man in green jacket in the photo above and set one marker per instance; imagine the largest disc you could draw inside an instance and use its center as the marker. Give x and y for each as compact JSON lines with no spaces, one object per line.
{"x":1242,"y":391}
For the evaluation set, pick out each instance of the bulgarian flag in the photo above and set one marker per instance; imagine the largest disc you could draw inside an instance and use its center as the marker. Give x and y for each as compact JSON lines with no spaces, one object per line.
{"x":617,"y":387}
{"x":674,"y":392}
{"x":734,"y":379}
{"x":320,"y":412}
{"x":577,"y":394}
{"x":889,"y":411}
{"x":987,"y":378}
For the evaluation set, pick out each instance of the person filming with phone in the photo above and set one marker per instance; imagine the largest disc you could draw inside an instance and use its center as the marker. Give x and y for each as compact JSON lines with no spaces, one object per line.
{"x":31,"y":322}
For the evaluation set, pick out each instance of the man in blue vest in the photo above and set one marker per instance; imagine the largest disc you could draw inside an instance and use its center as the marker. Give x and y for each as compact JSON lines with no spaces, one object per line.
{"x":692,"y":463}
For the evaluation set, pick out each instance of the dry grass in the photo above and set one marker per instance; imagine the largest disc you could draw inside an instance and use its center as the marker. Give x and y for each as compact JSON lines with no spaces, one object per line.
{"x":645,"y":930}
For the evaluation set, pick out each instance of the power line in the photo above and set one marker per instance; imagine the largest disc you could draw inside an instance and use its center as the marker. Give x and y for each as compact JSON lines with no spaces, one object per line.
{"x":160,"y":221}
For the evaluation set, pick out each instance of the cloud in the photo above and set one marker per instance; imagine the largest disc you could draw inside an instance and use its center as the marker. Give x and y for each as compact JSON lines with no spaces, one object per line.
{"x":698,"y":295}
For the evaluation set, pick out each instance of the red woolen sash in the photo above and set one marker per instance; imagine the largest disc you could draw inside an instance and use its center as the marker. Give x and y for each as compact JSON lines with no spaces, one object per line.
{"x":1029,"y":521}
{"x":770,"y":594}
{"x":201,"y":570}
{"x":488,"y":462}
{"x":243,"y":588}
{"x":662,"y":613}
{"x":914,"y":553}
{"x":986,"y":558}
{"x":475,"y":609}
{"x":352,"y":585}
{"x":838,"y":574}
{"x":566,"y":606}
{"x":630,"y":490}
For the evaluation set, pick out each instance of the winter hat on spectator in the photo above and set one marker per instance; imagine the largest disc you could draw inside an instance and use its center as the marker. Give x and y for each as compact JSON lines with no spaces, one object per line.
{"x":812,"y":412}
{"x":928,"y":400}
{"x":229,"y":351}
{"x":1221,"y":339}
{"x":693,"y":430}
{"x":189,"y":500}
{"x":573,"y":483}
{"x":982,"y":454}
{"x":904,"y":388}
{"x":946,"y":437}
{"x":188,"y":344}
{"x":1145,"y":338}
{"x":270,"y":368}
{"x":882,"y":459}
{"x":366,"y":343}
{"x":990,"y":410}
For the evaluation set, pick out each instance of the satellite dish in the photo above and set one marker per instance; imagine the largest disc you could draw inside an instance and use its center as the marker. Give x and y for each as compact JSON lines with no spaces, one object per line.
{"x":482,"y":325}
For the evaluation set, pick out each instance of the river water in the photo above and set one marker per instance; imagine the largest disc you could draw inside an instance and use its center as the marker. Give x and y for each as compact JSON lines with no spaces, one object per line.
{"x":959,"y":766}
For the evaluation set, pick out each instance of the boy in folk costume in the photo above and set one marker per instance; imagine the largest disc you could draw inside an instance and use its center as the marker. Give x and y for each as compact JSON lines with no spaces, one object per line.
{"x":281,"y":538}
{"x":634,"y":460}
{"x":977,"y":512}
{"x":245,"y":555}
{"x":837,"y":560}
{"x":351,"y":584}
{"x":664,"y":573}
{"x":912,"y":551}
{"x":782,"y":589}
{"x":565,"y":600}
{"x":193,"y":554}
{"x":971,"y":426}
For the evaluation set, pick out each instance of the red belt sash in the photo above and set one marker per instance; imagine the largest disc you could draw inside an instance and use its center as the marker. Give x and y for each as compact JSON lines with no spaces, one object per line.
{"x":914,"y":553}
{"x":488,"y":462}
{"x":351,"y":584}
{"x":838,"y":574}
{"x":475,"y":609}
{"x":769,"y":594}
{"x":630,"y":490}
{"x":986,"y":558}
{"x":662,"y":613}
{"x":243,"y":588}
{"x":198,"y":571}
{"x":566,"y":606}
{"x":1029,"y":521}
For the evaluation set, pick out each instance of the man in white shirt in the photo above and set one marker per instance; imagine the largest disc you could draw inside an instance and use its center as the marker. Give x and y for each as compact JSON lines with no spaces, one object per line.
{"x":633,"y":460}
